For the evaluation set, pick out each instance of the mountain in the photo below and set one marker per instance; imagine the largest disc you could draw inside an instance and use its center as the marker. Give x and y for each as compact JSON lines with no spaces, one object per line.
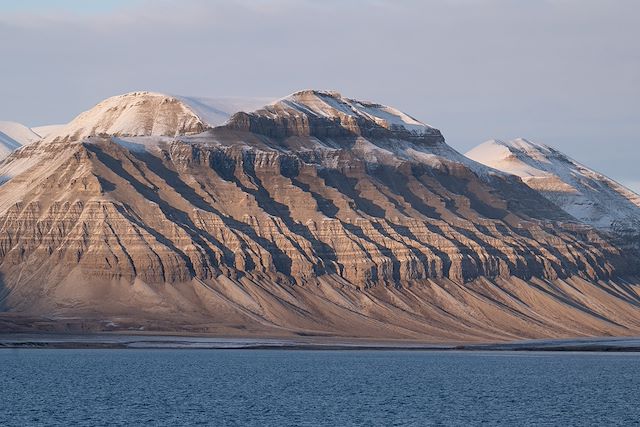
{"x":313,"y":215}
{"x":151,"y":114}
{"x":14,"y":135}
{"x":582,"y":192}
{"x":18,"y":132}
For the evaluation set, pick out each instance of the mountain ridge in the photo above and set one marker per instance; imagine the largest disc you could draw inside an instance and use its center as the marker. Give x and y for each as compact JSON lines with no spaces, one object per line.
{"x":296,"y":219}
{"x":589,"y":196}
{"x":145,"y":113}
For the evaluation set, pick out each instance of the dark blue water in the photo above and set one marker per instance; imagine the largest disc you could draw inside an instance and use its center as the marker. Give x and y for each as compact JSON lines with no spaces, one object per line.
{"x":336,"y":388}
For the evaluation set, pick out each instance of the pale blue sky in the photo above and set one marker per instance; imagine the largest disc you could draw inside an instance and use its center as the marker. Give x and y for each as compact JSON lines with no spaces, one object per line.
{"x":562,"y":72}
{"x":72,"y":6}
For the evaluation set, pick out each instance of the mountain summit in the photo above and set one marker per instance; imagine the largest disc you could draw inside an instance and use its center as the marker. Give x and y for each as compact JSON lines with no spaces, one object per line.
{"x":314,"y":214}
{"x":152,"y":114}
{"x":328,"y":113}
{"x":582,"y":192}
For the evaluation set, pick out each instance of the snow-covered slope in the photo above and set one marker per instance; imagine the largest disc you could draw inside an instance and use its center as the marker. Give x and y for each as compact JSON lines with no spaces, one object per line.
{"x":582,"y":192}
{"x":152,"y":114}
{"x":14,"y":135}
{"x":133,"y":114}
{"x":46,"y":130}
{"x":7,"y":145}
{"x":216,"y":111}
{"x":18,"y":132}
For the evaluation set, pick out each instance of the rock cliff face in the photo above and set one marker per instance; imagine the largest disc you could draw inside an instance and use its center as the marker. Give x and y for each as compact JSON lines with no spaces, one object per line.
{"x":315,"y":214}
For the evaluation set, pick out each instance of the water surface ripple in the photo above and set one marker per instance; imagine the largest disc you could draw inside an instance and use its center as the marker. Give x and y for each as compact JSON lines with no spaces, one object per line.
{"x":311,"y":388}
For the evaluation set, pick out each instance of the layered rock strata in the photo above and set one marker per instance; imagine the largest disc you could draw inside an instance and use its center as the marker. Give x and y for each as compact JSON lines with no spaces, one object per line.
{"x":301,"y":217}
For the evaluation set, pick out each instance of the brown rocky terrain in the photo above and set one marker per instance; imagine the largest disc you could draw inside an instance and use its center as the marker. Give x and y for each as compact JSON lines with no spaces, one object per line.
{"x":315,"y":215}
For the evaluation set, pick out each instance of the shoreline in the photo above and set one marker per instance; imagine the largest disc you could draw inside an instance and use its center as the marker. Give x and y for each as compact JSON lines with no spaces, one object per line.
{"x":166,"y":342}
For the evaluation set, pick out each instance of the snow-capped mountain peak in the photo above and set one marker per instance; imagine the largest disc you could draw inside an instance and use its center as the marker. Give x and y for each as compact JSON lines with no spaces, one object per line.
{"x":14,"y":135}
{"x":18,"y":132}
{"x":133,"y":114}
{"x":331,"y":104}
{"x":584,"y":193}
{"x":153,"y":114}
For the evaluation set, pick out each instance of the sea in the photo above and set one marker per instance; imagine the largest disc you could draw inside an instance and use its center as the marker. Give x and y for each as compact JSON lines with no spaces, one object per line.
{"x":284,"y":387}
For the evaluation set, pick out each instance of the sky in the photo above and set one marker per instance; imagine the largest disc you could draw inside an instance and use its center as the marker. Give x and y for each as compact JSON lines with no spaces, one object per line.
{"x":561,"y":72}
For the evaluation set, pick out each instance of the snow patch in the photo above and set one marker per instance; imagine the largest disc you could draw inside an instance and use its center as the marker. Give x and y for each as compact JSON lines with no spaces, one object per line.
{"x":141,"y":144}
{"x":216,"y":111}
{"x":46,"y":130}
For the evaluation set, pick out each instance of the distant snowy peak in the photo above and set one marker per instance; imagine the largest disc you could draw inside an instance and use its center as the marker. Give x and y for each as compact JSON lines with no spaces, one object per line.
{"x":518,"y":157}
{"x":152,"y":114}
{"x":582,"y":192}
{"x":13,"y":136}
{"x":18,"y":132}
